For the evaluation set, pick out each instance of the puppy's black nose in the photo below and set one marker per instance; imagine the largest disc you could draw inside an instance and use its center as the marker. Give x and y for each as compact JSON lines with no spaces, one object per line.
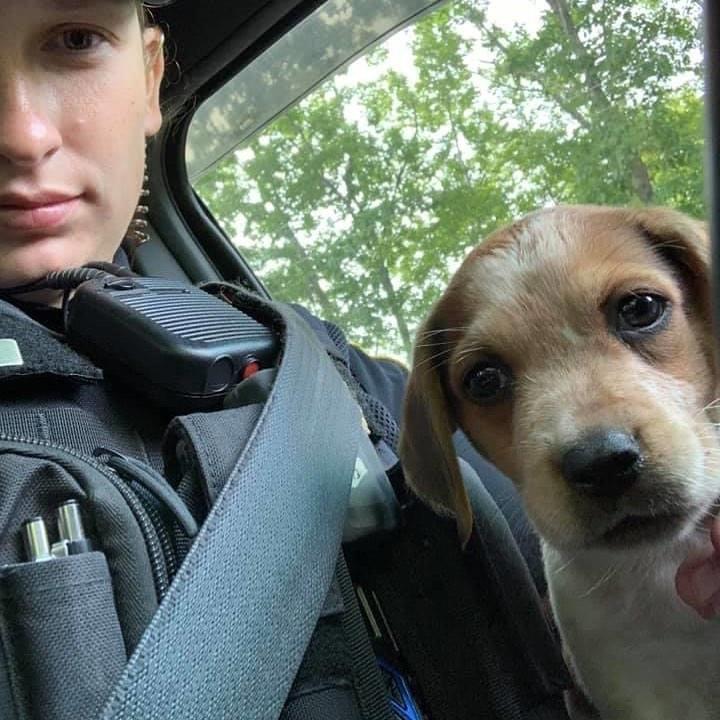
{"x":603,"y":463}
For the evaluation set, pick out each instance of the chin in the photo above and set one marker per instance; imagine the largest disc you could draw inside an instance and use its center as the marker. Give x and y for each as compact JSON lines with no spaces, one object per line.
{"x":36,"y":258}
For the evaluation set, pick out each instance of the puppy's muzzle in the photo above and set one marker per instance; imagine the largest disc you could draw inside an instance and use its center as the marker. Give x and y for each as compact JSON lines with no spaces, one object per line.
{"x":604,"y":463}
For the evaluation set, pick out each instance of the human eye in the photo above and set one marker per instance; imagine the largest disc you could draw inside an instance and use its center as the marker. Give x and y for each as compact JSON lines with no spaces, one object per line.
{"x":76,"y":41}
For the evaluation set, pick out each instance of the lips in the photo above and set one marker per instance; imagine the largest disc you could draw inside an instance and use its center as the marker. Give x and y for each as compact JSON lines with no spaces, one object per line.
{"x":635,"y":529}
{"x":37,"y":211}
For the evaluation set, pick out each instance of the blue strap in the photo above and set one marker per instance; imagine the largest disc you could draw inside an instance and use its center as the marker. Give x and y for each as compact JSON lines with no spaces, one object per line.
{"x":231,"y":632}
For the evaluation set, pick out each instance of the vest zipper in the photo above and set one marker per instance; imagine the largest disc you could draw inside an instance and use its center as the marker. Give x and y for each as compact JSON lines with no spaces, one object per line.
{"x":156,"y":553}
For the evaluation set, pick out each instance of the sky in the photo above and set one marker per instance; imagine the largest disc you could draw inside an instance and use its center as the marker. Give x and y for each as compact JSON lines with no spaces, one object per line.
{"x":500,"y":12}
{"x":504,"y":13}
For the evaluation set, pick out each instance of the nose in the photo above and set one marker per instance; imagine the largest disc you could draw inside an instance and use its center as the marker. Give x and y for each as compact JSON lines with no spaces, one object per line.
{"x":27,"y":133}
{"x":604,"y":463}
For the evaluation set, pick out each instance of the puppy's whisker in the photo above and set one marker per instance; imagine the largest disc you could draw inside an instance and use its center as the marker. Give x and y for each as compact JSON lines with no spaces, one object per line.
{"x":428,"y":333}
{"x":539,"y":443}
{"x":565,"y":565}
{"x":669,"y":245}
{"x":467,"y":352}
{"x":435,"y":343}
{"x":427,"y":360}
{"x":713,"y":404}
{"x":604,"y":579}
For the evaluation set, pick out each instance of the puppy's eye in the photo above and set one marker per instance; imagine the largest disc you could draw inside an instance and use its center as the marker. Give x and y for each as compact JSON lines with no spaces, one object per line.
{"x":641,"y":312}
{"x":487,"y":382}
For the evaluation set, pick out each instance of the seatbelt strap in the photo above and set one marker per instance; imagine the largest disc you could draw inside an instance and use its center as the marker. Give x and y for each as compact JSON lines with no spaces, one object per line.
{"x":372,"y":692}
{"x":230,"y":634}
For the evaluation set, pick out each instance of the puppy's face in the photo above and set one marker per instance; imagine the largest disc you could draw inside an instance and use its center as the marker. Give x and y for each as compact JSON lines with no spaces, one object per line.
{"x":574,"y":350}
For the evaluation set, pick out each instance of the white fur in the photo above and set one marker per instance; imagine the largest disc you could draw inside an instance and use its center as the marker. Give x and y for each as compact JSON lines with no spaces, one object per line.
{"x":645,"y":654}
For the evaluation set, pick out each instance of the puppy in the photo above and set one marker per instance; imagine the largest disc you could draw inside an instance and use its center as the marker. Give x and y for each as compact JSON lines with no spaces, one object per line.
{"x":574,"y":349}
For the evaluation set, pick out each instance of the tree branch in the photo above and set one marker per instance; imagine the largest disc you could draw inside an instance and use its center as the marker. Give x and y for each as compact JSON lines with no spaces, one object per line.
{"x":639,"y":173}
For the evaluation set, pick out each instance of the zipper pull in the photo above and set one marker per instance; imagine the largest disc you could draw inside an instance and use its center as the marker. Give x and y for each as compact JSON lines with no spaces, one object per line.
{"x":131,"y":469}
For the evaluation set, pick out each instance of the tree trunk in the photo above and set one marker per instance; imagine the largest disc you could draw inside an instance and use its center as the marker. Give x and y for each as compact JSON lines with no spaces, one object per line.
{"x":641,"y":180}
{"x":396,"y":308}
{"x":311,"y":277}
{"x":639,"y":173}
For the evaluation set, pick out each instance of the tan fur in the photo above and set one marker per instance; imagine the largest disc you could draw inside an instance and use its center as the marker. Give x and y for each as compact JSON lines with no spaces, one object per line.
{"x":537,"y":294}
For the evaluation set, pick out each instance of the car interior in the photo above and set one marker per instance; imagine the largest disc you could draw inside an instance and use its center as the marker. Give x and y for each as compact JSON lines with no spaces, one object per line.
{"x":467,"y":631}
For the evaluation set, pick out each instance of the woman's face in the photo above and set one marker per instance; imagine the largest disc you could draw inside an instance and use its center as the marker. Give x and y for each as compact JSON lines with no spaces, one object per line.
{"x":79,"y":86}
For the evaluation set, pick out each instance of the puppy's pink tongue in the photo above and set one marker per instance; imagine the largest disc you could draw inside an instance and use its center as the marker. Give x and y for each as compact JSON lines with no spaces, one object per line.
{"x":698,"y":583}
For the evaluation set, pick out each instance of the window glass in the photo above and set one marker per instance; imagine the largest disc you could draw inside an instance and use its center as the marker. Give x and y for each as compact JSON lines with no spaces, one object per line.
{"x":360,"y":199}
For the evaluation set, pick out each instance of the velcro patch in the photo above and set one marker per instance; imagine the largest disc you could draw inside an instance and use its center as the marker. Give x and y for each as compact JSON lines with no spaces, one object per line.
{"x":10,"y":355}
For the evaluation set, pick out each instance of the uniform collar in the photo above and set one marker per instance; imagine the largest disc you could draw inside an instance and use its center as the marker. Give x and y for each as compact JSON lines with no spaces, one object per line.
{"x":28,"y":348}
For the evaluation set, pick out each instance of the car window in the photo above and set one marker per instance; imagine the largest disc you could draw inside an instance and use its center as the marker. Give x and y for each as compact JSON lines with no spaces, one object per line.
{"x":355,"y":175}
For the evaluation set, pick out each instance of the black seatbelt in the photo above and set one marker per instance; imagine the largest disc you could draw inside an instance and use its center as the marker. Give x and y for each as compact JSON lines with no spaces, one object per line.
{"x":229,"y":635}
{"x":369,"y":686}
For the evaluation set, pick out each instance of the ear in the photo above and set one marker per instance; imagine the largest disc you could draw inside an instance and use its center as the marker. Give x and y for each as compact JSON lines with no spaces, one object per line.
{"x":426,"y":449}
{"x":680,"y":240}
{"x":154,"y":42}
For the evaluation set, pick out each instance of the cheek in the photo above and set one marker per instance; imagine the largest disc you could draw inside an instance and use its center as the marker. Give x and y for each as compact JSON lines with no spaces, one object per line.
{"x":687,"y":370}
{"x":101,"y":103}
{"x":490,"y":431}
{"x":680,"y":373}
{"x":689,"y":358}
{"x":103,"y":120}
{"x":106,"y":139}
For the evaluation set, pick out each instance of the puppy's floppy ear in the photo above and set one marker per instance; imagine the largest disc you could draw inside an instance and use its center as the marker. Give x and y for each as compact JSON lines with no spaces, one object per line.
{"x":426,"y":449}
{"x":683,"y":242}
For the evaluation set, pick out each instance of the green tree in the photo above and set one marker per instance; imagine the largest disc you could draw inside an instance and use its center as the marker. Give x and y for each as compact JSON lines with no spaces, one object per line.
{"x":614,"y":88}
{"x":361,"y":199}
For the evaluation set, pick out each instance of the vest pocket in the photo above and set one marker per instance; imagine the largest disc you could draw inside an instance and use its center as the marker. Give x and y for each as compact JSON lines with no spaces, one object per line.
{"x":60,"y":634}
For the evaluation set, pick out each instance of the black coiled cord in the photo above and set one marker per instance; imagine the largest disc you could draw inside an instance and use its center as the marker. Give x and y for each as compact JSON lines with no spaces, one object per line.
{"x":68,"y":280}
